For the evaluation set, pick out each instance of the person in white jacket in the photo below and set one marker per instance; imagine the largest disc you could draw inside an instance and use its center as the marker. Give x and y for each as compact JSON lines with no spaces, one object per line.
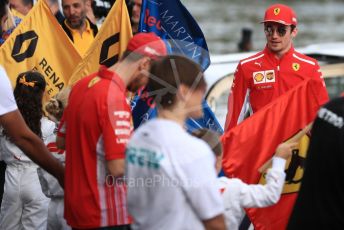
{"x":50,"y":186}
{"x":24,"y":206}
{"x":238,"y":195}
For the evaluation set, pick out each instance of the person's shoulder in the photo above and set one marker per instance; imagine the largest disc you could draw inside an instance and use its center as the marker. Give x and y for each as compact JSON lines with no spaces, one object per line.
{"x":196,"y":146}
{"x":333,"y":109}
{"x":93,"y":26}
{"x":304,"y":58}
{"x":251,"y":59}
{"x":87,"y":81}
{"x":47,"y":126}
{"x":230,"y":187}
{"x":150,"y":129}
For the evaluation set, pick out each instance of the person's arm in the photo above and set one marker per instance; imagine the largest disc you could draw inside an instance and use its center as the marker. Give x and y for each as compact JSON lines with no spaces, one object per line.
{"x":116,"y":130}
{"x":216,"y":223}
{"x":268,"y":194}
{"x":30,"y":144}
{"x":116,"y":167}
{"x":321,"y":91}
{"x":237,"y":99}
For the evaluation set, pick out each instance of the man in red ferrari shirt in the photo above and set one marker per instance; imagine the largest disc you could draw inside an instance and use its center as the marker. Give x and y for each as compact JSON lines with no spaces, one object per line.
{"x":96,"y":127}
{"x":270,"y":73}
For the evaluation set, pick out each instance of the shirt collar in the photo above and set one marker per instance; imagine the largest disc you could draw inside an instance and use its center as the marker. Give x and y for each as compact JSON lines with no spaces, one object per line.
{"x":88,"y":27}
{"x":105,"y":73}
{"x":272,"y":55}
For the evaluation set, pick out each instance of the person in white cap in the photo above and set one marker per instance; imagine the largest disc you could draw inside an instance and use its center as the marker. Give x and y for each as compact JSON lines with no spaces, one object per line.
{"x":263,"y":77}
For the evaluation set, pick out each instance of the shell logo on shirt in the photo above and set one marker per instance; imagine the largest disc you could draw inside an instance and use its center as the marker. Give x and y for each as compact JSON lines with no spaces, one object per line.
{"x":296,"y":66}
{"x":258,"y":77}
{"x":277,"y":11}
{"x":266,"y":76}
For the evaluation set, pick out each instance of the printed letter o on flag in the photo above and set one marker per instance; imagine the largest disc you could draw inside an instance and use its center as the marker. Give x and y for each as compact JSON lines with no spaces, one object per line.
{"x":104,"y":59}
{"x":29,"y":36}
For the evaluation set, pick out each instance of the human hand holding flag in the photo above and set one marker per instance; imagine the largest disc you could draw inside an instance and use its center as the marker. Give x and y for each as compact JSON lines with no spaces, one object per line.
{"x":249,"y":145}
{"x":293,"y":141}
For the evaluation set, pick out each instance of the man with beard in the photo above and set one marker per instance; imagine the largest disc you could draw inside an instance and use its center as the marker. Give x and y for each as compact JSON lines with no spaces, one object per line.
{"x":96,"y":126}
{"x":135,"y":15}
{"x":77,"y":26}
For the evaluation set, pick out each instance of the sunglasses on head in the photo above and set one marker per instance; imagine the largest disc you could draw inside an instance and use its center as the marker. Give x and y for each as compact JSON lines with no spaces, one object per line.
{"x":281,"y":30}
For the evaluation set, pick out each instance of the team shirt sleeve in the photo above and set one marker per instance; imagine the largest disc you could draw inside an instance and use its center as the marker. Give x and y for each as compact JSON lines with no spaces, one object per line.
{"x":236,"y":99}
{"x":7,"y":101}
{"x":321,"y":91}
{"x":116,"y":127}
{"x":268,"y":194}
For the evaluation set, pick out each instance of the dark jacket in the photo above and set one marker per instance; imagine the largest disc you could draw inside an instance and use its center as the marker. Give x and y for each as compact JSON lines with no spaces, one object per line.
{"x":320,"y":203}
{"x":65,"y":28}
{"x":59,"y":17}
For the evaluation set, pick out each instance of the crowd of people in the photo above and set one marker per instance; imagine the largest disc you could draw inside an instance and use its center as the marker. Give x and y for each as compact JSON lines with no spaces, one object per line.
{"x":76,"y":162}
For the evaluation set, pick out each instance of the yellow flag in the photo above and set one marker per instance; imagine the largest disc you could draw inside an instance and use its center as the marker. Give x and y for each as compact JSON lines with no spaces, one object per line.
{"x":109,"y":44}
{"x":39,"y":43}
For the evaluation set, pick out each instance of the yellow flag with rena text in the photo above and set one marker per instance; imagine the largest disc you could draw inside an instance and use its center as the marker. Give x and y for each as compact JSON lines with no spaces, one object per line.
{"x":109,"y":44}
{"x":39,"y":43}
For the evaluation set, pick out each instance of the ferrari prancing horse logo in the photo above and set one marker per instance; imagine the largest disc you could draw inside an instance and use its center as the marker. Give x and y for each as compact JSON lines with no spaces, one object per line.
{"x":296,"y":66}
{"x":277,"y":11}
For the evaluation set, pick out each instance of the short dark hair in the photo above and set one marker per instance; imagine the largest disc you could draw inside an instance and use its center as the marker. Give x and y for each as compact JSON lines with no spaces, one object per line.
{"x":211,"y":138}
{"x":168,"y":72}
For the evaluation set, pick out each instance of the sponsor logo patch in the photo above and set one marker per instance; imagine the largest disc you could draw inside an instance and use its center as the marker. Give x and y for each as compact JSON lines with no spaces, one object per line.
{"x":258,"y":77}
{"x":267,"y":76}
{"x":270,"y":75}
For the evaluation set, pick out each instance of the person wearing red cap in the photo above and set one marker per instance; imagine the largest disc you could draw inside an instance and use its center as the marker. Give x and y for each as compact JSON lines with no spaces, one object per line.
{"x":270,"y":73}
{"x":95,"y":129}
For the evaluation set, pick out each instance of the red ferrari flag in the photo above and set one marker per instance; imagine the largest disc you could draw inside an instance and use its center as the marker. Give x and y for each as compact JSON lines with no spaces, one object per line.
{"x":253,"y":142}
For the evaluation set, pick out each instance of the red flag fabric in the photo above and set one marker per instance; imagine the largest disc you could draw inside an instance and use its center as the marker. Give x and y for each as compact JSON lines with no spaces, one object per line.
{"x":253,"y":142}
